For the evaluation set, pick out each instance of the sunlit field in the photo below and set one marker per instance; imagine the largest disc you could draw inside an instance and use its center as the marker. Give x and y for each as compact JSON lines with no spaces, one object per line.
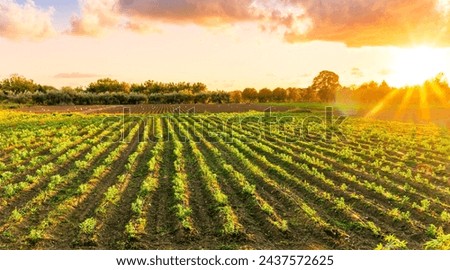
{"x":240,"y":125}
{"x":221,"y":181}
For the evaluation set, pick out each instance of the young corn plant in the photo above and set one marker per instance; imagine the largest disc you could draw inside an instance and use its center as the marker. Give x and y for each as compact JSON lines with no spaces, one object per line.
{"x":246,"y":188}
{"x":442,"y":242}
{"x":136,"y":225}
{"x":231,"y":225}
{"x":392,"y":243}
{"x":180,"y":186}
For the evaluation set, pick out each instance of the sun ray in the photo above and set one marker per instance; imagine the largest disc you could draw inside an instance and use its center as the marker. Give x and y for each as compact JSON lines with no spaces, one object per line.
{"x":404,"y":104}
{"x":437,"y":90}
{"x":424,"y":107}
{"x":381,"y":104}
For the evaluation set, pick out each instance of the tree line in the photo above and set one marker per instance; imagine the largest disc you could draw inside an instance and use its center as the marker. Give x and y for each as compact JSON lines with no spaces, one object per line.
{"x":18,"y":89}
{"x":434,"y":91}
{"x":325,"y":87}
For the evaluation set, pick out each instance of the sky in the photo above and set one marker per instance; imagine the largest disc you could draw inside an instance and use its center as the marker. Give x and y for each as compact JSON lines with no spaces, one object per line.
{"x":226,"y":44}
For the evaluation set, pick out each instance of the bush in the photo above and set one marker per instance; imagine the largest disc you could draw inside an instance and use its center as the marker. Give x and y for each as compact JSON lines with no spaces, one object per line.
{"x":63,"y":97}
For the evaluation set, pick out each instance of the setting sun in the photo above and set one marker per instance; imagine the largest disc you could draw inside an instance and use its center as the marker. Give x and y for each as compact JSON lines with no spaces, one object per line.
{"x":413,"y":66}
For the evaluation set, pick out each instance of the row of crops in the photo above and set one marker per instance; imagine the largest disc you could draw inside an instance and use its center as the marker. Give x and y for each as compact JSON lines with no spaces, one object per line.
{"x":221,"y":181}
{"x":152,"y":108}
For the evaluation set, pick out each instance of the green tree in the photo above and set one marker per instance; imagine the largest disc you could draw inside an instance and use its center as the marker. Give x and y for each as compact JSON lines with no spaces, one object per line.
{"x":264,"y":95}
{"x":236,"y":96}
{"x":198,"y":88}
{"x":250,"y":95}
{"x":294,"y":94}
{"x":108,"y":85}
{"x":326,"y":84}
{"x":372,"y":92}
{"x":152,"y":87}
{"x":137,"y":88}
{"x":280,"y":95}
{"x":17,"y":84}
{"x":309,"y":94}
{"x":45,"y":88}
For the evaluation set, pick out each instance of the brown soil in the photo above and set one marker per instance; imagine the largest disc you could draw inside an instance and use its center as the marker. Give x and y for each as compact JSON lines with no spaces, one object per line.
{"x":161,"y":221}
{"x":154,"y":109}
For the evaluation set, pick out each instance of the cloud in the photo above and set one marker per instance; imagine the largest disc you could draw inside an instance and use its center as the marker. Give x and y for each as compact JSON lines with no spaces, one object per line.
{"x":75,"y":75}
{"x":305,"y":75}
{"x":99,"y":15}
{"x":270,"y":14}
{"x":140,"y":27}
{"x":385,"y":72}
{"x":96,"y":16}
{"x":25,"y":21}
{"x":356,"y":72}
{"x":353,"y":22}
{"x":181,"y":11}
{"x":376,"y":22}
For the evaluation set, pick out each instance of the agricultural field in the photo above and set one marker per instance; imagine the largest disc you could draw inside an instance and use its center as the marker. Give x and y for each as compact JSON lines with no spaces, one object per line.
{"x":230,"y":180}
{"x":153,"y":108}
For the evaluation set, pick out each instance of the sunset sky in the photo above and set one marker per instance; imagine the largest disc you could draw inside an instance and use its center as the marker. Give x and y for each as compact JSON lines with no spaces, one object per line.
{"x":227,"y":44}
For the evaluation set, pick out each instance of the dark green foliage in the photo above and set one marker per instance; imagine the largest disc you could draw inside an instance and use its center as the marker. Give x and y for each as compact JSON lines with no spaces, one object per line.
{"x":63,"y":97}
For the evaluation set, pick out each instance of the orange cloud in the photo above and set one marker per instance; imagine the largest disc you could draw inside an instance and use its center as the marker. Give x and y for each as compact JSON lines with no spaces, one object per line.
{"x":25,"y":21}
{"x":140,"y":27}
{"x":353,"y":22}
{"x":377,"y":22}
{"x":209,"y":12}
{"x":271,"y":15}
{"x":357,"y":72}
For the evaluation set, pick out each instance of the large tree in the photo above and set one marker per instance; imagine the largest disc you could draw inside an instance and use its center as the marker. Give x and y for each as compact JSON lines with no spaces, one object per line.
{"x":236,"y":96}
{"x":17,"y":84}
{"x":108,"y":85}
{"x":250,"y":95}
{"x":326,"y":84}
{"x":279,"y":95}
{"x":264,"y":95}
{"x":294,"y":94}
{"x":199,"y":88}
{"x":309,"y":94}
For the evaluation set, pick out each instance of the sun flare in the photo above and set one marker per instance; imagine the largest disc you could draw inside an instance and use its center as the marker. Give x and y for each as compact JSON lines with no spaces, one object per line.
{"x":413,"y":66}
